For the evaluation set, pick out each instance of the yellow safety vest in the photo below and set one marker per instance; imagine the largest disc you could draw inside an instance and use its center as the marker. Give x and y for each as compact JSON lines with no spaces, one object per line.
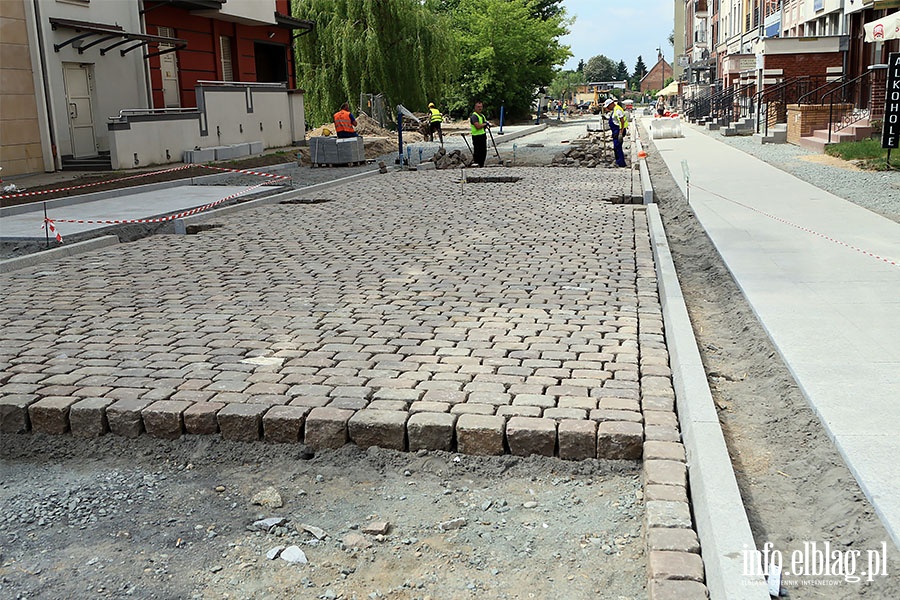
{"x":436,"y":116}
{"x":474,"y":130}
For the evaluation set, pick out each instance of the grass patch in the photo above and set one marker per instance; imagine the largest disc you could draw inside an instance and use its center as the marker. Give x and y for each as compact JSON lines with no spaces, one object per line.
{"x":868,"y":154}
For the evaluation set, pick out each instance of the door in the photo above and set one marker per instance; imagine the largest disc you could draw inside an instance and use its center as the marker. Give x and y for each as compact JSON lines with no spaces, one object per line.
{"x":168,"y":64}
{"x":79,"y":83}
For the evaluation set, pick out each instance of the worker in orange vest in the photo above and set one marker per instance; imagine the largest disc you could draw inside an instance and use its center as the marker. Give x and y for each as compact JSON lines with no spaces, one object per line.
{"x":345,"y":122}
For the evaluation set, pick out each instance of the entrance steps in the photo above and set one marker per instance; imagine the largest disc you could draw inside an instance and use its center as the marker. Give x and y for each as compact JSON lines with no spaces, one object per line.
{"x":817,"y":142}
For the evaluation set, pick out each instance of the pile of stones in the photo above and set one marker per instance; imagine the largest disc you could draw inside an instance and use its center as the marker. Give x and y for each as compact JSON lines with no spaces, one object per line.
{"x":590,"y":151}
{"x":455,"y":159}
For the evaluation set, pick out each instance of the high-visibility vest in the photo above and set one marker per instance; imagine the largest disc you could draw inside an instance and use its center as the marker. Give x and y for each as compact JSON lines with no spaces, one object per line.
{"x":342,"y":122}
{"x":618,"y":118}
{"x":474,"y":130}
{"x":436,"y":116}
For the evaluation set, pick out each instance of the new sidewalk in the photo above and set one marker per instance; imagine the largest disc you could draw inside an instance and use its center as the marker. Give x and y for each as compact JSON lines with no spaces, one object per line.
{"x":823,"y":277}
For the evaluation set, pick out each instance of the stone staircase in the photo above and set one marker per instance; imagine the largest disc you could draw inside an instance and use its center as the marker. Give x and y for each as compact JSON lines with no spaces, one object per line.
{"x":101,"y":162}
{"x":816,"y":142}
{"x":777,"y":135}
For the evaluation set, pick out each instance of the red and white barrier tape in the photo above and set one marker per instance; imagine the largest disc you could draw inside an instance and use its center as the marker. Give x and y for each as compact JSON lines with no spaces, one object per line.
{"x":130,"y":177}
{"x":186,"y":213}
{"x":48,"y":225}
{"x":889,"y":261}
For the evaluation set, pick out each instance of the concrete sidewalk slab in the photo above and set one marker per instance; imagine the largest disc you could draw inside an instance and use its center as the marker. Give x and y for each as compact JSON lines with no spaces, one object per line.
{"x":823,"y":277}
{"x":144,"y":205}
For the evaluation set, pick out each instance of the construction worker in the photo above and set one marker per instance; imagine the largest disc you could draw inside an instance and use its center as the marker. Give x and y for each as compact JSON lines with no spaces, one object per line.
{"x":618,"y":123}
{"x":345,"y":122}
{"x":478,"y":130}
{"x":436,"y":119}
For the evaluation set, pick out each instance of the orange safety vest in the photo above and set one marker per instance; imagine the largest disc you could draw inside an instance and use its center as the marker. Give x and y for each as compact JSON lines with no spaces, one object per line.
{"x":342,"y":122}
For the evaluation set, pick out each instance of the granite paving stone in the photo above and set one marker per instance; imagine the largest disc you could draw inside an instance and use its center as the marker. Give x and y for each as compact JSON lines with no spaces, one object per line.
{"x":51,"y":414}
{"x":241,"y":422}
{"x":284,"y":424}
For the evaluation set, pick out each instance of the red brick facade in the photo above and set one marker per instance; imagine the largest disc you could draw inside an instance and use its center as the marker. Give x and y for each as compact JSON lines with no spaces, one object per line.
{"x":656,"y":78}
{"x":795,"y":65}
{"x":202,"y":59}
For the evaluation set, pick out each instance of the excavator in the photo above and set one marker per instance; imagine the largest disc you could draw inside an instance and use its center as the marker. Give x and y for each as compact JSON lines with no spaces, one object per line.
{"x":595,"y":106}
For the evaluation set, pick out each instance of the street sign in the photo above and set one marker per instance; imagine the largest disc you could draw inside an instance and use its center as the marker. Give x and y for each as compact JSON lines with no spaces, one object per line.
{"x":890,"y":128}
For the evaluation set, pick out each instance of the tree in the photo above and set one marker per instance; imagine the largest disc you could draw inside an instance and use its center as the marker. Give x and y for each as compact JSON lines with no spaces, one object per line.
{"x":580,"y":67}
{"x":564,"y":84}
{"x":398,"y":48}
{"x":622,"y":71}
{"x":640,"y":69}
{"x":506,"y":53}
{"x":599,"y":68}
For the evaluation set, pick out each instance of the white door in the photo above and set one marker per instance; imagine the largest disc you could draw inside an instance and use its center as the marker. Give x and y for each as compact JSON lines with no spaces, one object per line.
{"x":79,"y":80}
{"x":168,"y":64}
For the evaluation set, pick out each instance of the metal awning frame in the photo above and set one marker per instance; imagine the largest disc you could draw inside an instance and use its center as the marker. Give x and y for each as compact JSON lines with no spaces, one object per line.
{"x":107,"y":33}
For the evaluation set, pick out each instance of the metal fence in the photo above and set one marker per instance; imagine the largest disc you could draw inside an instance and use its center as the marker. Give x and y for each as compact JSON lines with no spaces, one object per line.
{"x":373,"y":105}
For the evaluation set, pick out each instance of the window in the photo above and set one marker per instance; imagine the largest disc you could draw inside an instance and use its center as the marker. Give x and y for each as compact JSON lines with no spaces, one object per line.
{"x":225,"y":53}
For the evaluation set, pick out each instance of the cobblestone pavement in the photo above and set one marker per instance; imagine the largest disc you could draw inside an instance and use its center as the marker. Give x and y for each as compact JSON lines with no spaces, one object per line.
{"x":407,"y":310}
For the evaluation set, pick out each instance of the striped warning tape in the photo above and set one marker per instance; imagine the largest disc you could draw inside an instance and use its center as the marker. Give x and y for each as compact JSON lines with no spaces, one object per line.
{"x":186,"y":213}
{"x":130,"y":177}
{"x":889,"y":261}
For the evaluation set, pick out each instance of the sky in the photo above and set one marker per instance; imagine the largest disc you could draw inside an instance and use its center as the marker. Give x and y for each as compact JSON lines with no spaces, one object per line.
{"x":620,"y":30}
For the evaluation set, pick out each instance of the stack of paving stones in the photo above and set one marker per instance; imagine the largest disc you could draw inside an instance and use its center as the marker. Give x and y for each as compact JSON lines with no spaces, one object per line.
{"x":592,"y":150}
{"x":673,"y":548}
{"x":409,"y":313}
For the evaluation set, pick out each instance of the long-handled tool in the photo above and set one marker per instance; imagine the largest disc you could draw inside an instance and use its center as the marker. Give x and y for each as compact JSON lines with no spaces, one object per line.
{"x":466,"y":140}
{"x":497,"y":152}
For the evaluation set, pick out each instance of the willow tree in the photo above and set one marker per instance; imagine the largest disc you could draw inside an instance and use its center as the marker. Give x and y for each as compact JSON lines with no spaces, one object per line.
{"x":398,"y":48}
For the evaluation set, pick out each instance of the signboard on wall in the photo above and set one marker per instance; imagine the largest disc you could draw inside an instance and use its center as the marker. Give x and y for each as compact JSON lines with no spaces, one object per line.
{"x":890,"y":128}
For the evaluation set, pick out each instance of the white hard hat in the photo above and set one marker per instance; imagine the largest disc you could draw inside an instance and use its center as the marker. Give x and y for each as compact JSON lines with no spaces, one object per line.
{"x":608,"y":102}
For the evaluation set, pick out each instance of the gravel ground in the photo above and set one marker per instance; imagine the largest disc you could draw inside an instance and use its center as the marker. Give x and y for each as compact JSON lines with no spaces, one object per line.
{"x":143,"y":518}
{"x":878,"y":191}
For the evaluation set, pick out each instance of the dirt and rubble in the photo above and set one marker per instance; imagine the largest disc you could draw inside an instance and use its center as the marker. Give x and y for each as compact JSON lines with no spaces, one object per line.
{"x":794,"y":483}
{"x":589,"y":151}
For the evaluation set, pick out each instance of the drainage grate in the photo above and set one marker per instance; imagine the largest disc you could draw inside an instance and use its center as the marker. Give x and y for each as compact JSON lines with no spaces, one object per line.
{"x":307,"y":201}
{"x":493,"y":179}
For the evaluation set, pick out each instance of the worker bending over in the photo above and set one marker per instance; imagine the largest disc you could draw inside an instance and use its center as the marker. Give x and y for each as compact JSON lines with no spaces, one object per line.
{"x":618,"y":123}
{"x":436,"y":119}
{"x":345,"y":122}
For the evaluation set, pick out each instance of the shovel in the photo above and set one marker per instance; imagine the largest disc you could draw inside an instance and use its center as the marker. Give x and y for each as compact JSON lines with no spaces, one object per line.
{"x":497,"y":152}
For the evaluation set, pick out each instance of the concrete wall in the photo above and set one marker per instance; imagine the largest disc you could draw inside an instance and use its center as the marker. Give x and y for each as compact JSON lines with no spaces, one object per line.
{"x":250,"y":12}
{"x":226,"y":115}
{"x":118,"y":81}
{"x":22,"y":149}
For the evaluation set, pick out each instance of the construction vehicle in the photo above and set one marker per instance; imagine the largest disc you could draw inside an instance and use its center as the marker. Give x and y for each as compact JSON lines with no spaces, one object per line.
{"x":596,"y":106}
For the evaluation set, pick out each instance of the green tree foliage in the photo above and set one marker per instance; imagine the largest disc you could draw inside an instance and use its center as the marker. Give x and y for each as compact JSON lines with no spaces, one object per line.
{"x":600,"y":68}
{"x":580,"y":67}
{"x":564,"y":84}
{"x":398,"y":48}
{"x":508,"y":49}
{"x":622,"y":71}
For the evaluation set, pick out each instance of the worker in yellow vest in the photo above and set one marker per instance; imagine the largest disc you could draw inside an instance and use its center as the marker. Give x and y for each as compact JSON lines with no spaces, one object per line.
{"x":478,"y":129}
{"x":618,"y":123}
{"x":436,"y":119}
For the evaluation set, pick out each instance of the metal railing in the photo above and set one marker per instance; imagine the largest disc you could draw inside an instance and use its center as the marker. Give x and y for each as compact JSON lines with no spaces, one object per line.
{"x":847,"y":90}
